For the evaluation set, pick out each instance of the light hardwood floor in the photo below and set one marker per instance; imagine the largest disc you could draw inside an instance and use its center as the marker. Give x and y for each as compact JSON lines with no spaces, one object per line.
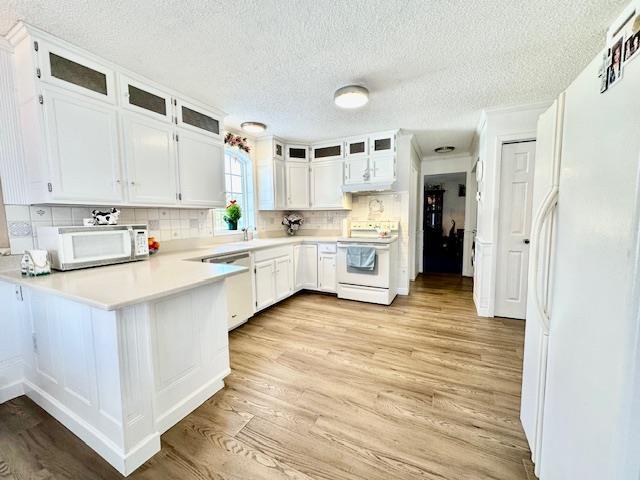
{"x":323,"y":388}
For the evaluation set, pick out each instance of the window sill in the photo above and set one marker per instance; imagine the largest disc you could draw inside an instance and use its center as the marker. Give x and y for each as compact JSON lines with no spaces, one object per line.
{"x":222,"y":233}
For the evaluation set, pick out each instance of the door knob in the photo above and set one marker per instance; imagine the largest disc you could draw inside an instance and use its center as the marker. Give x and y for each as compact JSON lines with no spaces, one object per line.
{"x":526,"y":241}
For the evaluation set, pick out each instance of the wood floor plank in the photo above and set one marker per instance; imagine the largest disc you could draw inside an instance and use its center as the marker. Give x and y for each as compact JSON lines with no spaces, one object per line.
{"x":323,"y":388}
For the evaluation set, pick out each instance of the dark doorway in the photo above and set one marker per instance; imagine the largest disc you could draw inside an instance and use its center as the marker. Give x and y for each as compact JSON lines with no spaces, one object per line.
{"x":444,"y":210}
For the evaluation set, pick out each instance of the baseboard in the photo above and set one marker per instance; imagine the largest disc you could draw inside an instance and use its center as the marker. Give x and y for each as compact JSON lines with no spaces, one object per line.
{"x":480,"y":311}
{"x":11,"y":391}
{"x":189,"y":404}
{"x":103,"y":446}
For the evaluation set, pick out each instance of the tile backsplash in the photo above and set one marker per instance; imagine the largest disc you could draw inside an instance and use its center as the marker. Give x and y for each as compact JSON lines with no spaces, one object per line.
{"x":313,"y":220}
{"x":164,"y":223}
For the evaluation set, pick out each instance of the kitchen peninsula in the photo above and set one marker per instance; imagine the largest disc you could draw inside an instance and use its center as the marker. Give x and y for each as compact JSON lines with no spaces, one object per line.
{"x":119,"y":354}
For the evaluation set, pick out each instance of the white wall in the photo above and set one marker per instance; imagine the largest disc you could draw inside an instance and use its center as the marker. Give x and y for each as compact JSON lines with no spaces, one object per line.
{"x":461,"y":163}
{"x":496,"y":127}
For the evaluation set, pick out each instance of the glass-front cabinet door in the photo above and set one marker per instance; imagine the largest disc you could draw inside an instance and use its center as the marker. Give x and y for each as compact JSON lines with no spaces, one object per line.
{"x":327,"y":151}
{"x":198,"y":120}
{"x":297,"y":153}
{"x":65,"y":69}
{"x":357,"y":146}
{"x":141,"y":98}
{"x":382,"y":143}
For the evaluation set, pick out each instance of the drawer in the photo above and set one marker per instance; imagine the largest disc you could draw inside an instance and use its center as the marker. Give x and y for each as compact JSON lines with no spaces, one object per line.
{"x":327,"y":248}
{"x":271,"y":253}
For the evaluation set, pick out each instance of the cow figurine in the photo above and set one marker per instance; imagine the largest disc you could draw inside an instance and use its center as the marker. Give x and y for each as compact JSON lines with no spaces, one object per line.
{"x":106,"y":218}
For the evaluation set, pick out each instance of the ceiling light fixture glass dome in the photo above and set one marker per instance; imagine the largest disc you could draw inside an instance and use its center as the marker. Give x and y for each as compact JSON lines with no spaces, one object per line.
{"x":351,"y":96}
{"x":253,"y":127}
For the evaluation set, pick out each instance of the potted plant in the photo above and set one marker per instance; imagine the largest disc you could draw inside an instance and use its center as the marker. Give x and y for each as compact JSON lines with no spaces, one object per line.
{"x":233,"y":213}
{"x":292,"y":222}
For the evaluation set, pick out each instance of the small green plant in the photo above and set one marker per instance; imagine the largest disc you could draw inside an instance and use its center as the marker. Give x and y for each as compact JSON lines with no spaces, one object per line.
{"x":233,"y":213}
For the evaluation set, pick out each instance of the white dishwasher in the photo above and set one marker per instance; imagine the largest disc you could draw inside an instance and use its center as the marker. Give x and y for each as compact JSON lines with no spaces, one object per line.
{"x":239,"y":289}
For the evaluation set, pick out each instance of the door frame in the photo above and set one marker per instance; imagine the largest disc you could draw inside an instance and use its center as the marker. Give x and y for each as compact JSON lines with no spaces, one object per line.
{"x":501,"y":141}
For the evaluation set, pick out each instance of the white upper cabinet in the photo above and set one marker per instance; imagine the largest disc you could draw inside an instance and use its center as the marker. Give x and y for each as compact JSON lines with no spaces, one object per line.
{"x":63,"y":68}
{"x":382,"y":168}
{"x":150,"y":160}
{"x":327,"y":151}
{"x":356,"y":170}
{"x":82,"y":147}
{"x":326,"y":184}
{"x":297,"y":153}
{"x":297,"y":185}
{"x":146,"y":100}
{"x":277,"y":149}
{"x":357,"y":146}
{"x":201,"y":170}
{"x":382,"y":143}
{"x":87,"y":140}
{"x":198,"y":120}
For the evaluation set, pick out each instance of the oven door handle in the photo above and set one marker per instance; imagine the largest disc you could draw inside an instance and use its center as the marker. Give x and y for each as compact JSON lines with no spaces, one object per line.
{"x":366,"y":245}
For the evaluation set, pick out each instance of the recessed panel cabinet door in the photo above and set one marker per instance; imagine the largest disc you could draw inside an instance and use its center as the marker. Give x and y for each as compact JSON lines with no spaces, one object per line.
{"x":327,"y":272}
{"x":265,"y":284}
{"x":82,"y":142}
{"x":326,"y":184}
{"x":297,"y":185}
{"x":305,"y":266}
{"x":201,"y":167}
{"x":356,"y":170}
{"x":382,"y":168}
{"x":279,"y":184}
{"x":150,"y":156}
{"x":284,"y":284}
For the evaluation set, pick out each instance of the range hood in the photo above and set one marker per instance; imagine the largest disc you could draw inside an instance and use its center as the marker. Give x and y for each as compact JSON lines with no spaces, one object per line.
{"x":369,"y":187}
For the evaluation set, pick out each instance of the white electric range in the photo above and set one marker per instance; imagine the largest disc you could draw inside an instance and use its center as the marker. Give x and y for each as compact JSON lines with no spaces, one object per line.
{"x":379,"y":285}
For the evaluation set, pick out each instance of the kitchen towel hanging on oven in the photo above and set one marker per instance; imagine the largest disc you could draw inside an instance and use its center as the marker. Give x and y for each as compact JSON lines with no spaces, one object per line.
{"x":362,"y":258}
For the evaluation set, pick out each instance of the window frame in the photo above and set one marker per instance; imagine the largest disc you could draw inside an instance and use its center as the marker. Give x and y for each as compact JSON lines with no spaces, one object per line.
{"x":247,"y":197}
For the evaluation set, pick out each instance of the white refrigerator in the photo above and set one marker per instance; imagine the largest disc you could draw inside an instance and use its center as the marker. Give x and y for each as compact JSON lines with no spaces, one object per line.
{"x":581,"y":383}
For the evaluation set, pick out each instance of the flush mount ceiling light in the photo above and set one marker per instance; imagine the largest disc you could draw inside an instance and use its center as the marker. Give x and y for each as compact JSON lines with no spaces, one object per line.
{"x":351,"y":96}
{"x":253,"y":127}
{"x":445,"y":149}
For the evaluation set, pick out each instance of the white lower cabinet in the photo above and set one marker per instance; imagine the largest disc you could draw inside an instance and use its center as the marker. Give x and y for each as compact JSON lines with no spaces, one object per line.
{"x":273,"y":275}
{"x":283,"y":277}
{"x":305,"y":261}
{"x":327,"y":272}
{"x":150,"y":160}
{"x":201,"y":169}
{"x":265,"y":284}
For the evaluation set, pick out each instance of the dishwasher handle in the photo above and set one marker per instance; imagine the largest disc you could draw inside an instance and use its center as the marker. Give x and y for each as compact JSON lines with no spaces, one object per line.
{"x":226,"y":258}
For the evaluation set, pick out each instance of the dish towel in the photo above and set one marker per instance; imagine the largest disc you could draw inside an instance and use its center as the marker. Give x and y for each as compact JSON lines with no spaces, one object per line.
{"x":362,"y":258}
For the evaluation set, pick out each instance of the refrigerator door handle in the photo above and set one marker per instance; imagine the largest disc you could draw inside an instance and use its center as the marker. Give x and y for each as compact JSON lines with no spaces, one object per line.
{"x":548,"y":205}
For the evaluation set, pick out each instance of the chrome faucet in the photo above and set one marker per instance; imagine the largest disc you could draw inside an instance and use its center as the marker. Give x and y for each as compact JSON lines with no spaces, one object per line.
{"x":245,"y":234}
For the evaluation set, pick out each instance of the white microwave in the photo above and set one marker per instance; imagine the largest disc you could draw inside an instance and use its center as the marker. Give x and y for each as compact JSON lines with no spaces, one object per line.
{"x":81,"y":247}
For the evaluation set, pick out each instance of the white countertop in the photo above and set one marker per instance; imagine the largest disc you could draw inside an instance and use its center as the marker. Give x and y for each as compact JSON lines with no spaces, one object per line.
{"x":118,"y":286}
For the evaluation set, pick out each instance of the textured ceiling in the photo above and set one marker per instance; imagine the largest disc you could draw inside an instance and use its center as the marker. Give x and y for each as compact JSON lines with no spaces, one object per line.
{"x":431,"y":66}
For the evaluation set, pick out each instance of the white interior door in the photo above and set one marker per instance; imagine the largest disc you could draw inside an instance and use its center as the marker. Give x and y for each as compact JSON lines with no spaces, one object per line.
{"x":516,"y":187}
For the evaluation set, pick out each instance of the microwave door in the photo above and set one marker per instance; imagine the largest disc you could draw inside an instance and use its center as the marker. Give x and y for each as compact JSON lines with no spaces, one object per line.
{"x":87,"y":248}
